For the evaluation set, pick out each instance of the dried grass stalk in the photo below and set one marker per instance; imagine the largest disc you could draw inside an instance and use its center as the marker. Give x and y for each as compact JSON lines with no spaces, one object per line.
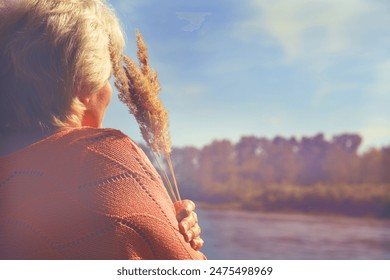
{"x":139,"y":89}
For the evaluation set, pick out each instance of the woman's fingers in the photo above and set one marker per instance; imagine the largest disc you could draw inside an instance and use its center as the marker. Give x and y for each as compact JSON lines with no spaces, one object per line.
{"x":193,"y":233}
{"x":183,"y":209}
{"x":188,"y":223}
{"x":197,"y":243}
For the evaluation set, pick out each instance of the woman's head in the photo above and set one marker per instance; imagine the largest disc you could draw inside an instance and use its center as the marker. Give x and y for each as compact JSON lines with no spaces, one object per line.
{"x":54,"y":55}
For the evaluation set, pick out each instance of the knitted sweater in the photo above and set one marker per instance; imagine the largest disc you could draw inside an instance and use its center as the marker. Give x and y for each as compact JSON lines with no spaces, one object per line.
{"x":86,"y":193}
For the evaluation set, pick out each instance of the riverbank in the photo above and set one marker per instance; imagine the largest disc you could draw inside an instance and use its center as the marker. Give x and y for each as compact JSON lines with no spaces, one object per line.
{"x":355,"y":201}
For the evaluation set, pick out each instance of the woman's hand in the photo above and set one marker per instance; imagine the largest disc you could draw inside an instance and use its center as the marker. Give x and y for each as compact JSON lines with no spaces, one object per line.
{"x":188,"y":223}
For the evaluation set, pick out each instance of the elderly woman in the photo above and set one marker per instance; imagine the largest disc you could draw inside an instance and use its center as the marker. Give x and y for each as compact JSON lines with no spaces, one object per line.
{"x":68,"y":188}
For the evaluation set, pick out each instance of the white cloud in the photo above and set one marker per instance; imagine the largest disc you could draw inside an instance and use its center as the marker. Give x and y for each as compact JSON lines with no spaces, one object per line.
{"x":306,"y":28}
{"x":321,"y":35}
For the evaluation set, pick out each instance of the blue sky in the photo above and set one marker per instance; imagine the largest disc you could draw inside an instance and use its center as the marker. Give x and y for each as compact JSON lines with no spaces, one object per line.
{"x":257,"y":67}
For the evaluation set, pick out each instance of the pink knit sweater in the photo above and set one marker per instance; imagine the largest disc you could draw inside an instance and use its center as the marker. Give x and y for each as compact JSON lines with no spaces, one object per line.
{"x":86,"y":193}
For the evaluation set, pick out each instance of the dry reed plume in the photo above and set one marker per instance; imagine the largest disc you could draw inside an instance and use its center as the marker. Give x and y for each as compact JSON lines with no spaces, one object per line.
{"x":139,"y":89}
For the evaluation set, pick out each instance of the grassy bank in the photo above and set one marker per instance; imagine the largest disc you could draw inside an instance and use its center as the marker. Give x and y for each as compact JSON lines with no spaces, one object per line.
{"x":350,"y":200}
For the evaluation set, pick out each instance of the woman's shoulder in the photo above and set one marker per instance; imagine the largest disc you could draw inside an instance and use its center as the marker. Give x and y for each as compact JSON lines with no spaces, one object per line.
{"x":82,"y":148}
{"x":109,"y":143}
{"x":24,"y":142}
{"x":91,"y":136}
{"x":88,"y":139}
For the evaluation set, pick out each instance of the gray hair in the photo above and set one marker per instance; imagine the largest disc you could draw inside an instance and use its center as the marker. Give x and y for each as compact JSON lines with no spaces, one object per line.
{"x":51,"y":52}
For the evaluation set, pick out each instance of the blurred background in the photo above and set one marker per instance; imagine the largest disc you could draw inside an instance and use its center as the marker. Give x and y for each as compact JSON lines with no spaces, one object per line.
{"x":279,"y":116}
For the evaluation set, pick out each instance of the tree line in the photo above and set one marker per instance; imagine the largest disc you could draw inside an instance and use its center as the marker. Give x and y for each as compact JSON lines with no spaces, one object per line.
{"x":308,"y":174}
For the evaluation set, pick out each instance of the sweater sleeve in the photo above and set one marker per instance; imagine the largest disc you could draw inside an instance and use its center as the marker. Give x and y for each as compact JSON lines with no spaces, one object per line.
{"x":136,"y":199}
{"x":159,"y":223}
{"x":164,"y":240}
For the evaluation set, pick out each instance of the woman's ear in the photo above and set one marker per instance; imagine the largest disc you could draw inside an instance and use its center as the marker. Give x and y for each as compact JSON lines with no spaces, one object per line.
{"x":85,"y":99}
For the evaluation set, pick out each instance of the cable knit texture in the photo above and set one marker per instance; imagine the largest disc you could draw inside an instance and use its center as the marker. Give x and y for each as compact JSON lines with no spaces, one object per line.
{"x":86,"y":193}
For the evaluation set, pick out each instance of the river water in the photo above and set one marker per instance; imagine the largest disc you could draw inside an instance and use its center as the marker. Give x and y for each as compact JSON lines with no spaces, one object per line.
{"x":234,"y":234}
